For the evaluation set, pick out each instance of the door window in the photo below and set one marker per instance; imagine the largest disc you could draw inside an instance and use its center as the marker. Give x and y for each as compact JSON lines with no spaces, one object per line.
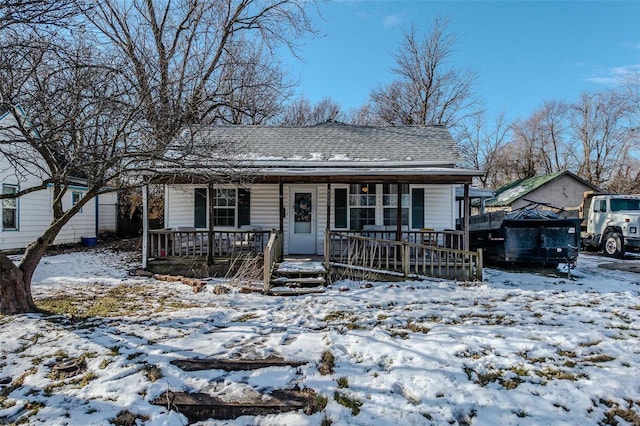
{"x":302,"y":213}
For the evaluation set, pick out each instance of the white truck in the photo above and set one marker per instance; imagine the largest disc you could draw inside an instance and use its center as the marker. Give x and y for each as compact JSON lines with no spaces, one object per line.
{"x":610,"y":222}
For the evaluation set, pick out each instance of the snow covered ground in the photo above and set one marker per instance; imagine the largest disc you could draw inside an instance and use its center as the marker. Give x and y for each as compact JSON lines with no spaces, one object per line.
{"x":518,"y":349}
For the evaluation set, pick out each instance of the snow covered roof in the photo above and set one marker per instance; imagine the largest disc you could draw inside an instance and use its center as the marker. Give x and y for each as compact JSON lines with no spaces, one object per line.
{"x":335,"y":142}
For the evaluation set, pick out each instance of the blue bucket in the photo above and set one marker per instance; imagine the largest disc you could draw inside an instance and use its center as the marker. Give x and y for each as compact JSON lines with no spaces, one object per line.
{"x":89,"y":241}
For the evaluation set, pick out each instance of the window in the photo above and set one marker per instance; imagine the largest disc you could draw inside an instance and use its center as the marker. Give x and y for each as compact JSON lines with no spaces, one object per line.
{"x":618,"y":204}
{"x":9,"y":209}
{"x":362,"y":205}
{"x":358,"y":206}
{"x":390,"y":204}
{"x":231,"y":207}
{"x":75,"y":198}
{"x":225,"y":207}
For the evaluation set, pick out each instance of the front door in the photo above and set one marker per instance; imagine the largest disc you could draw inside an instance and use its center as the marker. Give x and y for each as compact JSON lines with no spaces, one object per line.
{"x":302,"y":221}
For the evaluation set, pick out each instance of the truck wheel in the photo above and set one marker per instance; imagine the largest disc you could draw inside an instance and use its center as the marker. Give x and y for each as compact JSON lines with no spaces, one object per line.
{"x":613,"y":246}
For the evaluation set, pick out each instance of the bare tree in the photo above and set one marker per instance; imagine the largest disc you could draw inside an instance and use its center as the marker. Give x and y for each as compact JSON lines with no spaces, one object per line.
{"x":177,"y":54}
{"x":71,"y":130}
{"x":40,"y":12}
{"x":481,"y":145}
{"x":300,"y":112}
{"x":428,"y":89}
{"x":598,"y":123}
{"x":542,"y":140}
{"x":116,"y":93}
{"x":254,"y":85}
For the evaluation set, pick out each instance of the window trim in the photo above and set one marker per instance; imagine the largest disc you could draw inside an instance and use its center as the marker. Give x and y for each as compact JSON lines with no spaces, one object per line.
{"x":393,"y":207}
{"x":380,"y":206}
{"x":74,"y":202}
{"x":241,"y":207}
{"x":16,"y":209}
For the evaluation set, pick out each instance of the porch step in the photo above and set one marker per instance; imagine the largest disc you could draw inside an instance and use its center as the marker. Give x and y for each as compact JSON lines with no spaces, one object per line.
{"x":299,"y":281}
{"x":295,"y":277}
{"x":300,"y":268}
{"x":283,"y":291}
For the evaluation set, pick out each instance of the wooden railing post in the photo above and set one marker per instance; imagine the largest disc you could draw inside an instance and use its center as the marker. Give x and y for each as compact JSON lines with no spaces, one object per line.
{"x":406,"y":260}
{"x":327,"y":248}
{"x":479,"y":265}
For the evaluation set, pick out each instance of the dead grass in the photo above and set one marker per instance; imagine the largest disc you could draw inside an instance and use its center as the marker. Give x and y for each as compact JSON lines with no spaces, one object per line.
{"x":109,"y":302}
{"x":551,"y":373}
{"x":352,"y":404}
{"x":152,"y":373}
{"x":630,"y":414}
{"x":327,"y":363}
{"x":127,"y":418}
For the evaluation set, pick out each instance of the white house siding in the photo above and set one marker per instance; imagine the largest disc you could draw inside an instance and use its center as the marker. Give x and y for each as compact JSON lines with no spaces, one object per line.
{"x":265,"y":203}
{"x":439,"y":207}
{"x":35,"y":214}
{"x":179,"y":206}
{"x":179,"y":202}
{"x":83,"y":224}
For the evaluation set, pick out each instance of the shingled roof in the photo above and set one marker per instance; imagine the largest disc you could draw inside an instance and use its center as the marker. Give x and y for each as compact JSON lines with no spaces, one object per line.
{"x":513,"y":191}
{"x":337,"y":142}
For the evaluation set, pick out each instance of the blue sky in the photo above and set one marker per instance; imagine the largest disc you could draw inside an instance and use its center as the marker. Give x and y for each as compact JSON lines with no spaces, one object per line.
{"x":525,"y":52}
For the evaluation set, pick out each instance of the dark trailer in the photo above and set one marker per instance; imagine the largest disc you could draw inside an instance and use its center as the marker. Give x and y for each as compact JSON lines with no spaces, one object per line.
{"x":531,"y":236}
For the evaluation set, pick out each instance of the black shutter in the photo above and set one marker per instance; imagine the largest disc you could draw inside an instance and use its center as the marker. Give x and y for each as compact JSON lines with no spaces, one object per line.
{"x":200,"y":208}
{"x":244,"y":207}
{"x":341,"y":208}
{"x":417,"y":208}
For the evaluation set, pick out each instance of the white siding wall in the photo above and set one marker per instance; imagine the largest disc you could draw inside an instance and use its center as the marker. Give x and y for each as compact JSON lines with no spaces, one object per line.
{"x":82,"y":224}
{"x":265,"y":202}
{"x":439,"y":207}
{"x":35,"y":213}
{"x":179,"y":204}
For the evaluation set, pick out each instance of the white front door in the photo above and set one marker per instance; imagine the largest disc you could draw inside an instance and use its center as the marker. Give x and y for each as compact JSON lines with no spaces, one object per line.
{"x":302,"y":221}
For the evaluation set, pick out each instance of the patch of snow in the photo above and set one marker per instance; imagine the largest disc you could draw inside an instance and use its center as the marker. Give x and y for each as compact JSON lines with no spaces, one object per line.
{"x":519,"y":348}
{"x":511,"y":193}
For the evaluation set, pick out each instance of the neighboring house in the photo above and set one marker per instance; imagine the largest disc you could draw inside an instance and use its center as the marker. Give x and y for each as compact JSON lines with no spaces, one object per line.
{"x":555,"y":190}
{"x":306,"y":179}
{"x":26,"y":218}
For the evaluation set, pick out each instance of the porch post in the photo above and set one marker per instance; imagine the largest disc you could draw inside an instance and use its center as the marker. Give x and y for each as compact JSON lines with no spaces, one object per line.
{"x":145,"y":226}
{"x":281,"y":194}
{"x":467,"y":213}
{"x":210,"y":245}
{"x":328,"y":205}
{"x":399,"y":214}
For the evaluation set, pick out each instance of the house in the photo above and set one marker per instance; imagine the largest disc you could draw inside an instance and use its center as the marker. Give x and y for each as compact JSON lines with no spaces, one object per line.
{"x":307,"y":181}
{"x":554,"y":190}
{"x":26,"y":218}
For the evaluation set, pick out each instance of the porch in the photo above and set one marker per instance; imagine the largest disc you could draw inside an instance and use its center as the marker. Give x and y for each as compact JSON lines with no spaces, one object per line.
{"x":411,"y":254}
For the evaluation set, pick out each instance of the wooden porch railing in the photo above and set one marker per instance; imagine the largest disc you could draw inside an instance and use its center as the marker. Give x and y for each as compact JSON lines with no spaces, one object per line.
{"x":272,"y":254}
{"x":431,"y":257}
{"x":165,"y":243}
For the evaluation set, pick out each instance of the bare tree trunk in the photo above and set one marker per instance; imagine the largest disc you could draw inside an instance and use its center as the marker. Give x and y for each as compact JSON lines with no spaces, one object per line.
{"x":15,"y":291}
{"x":15,"y":281}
